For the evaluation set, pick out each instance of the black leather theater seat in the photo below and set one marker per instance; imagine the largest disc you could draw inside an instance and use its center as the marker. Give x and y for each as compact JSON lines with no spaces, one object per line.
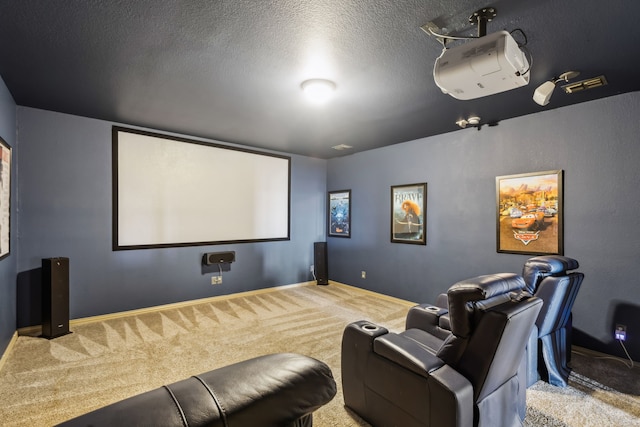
{"x":273,"y":390}
{"x":466,"y":377}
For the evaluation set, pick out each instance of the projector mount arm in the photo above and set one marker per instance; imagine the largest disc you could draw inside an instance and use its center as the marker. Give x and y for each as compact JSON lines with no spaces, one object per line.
{"x":480,"y":18}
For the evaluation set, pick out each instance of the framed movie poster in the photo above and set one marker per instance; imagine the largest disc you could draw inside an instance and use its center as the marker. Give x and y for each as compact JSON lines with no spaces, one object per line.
{"x":5,"y":198}
{"x":529,"y":213}
{"x":340,"y":213}
{"x":408,"y":213}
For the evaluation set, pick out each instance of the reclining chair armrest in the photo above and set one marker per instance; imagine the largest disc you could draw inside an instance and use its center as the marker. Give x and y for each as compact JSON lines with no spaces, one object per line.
{"x":450,"y":393}
{"x":530,"y":370}
{"x":407,"y":353}
{"x":362,"y":333}
{"x":357,"y":349}
{"x":427,"y":318}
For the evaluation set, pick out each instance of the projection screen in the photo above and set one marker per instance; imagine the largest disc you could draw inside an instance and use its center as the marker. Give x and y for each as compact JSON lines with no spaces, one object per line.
{"x":170,"y":191}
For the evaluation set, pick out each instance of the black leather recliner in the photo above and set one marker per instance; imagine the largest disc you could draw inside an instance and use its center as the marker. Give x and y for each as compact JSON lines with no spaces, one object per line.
{"x":422,"y":377}
{"x":549,"y":350}
{"x":273,"y":390}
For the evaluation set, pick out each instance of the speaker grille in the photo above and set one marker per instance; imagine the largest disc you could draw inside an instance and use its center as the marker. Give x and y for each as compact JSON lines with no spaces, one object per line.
{"x":55,"y":297}
{"x":320,"y":262}
{"x":219,"y":257}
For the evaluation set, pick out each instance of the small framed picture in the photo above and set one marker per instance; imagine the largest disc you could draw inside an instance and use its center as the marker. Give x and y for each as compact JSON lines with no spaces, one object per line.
{"x":409,"y":213}
{"x":529,"y":214}
{"x":339,"y":213}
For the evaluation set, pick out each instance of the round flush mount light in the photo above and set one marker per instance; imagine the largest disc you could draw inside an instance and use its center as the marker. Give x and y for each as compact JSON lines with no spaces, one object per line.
{"x":471,"y":121}
{"x":318,"y":90}
{"x":474,"y":121}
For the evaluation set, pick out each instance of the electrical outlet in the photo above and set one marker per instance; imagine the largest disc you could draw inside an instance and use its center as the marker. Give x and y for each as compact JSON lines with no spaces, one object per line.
{"x":312,"y":268}
{"x":363,"y":274}
{"x":216,"y":280}
{"x":621,"y":332}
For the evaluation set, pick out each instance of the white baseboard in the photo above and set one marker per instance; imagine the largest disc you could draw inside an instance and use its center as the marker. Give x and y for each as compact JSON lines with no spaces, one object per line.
{"x":376,"y":294}
{"x":37,"y":329}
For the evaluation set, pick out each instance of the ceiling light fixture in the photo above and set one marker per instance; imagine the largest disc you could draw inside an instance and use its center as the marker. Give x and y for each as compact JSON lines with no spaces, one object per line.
{"x":542,"y":94}
{"x":318,"y":90}
{"x":473,"y":121}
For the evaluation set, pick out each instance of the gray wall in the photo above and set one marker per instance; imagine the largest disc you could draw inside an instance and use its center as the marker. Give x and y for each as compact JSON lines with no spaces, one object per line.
{"x":65,"y":211}
{"x":8,"y":264}
{"x":595,"y":143}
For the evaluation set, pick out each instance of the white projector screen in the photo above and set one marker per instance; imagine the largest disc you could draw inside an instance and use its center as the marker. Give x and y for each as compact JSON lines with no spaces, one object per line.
{"x":177,"y":192}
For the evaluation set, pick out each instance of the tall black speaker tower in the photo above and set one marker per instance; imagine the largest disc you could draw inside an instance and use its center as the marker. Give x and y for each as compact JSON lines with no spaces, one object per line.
{"x":321,"y":263}
{"x":55,"y":297}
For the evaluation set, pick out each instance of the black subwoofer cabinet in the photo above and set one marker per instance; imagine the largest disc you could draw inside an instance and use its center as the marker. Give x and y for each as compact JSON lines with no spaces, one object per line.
{"x":321,"y":263}
{"x":55,"y":297}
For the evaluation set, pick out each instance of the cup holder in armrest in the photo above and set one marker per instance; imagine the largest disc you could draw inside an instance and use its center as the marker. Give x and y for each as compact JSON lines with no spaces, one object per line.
{"x":438,"y":311}
{"x":366,"y":328}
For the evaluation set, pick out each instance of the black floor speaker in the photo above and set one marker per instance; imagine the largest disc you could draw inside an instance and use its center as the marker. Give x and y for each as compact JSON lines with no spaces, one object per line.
{"x":55,"y":297}
{"x":320,"y":262}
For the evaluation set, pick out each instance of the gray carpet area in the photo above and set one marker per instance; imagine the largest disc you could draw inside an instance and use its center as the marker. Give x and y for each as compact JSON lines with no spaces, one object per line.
{"x":44,"y":382}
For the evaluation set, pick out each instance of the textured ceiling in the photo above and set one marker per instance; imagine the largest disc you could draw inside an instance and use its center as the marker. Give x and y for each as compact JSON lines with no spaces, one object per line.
{"x":231,"y":70}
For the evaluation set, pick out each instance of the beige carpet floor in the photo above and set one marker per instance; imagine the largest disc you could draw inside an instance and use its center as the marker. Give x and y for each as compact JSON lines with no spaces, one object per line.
{"x":44,"y":382}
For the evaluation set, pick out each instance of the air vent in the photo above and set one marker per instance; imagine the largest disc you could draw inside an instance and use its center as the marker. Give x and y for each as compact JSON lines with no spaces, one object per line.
{"x":585,"y":84}
{"x":341,"y":147}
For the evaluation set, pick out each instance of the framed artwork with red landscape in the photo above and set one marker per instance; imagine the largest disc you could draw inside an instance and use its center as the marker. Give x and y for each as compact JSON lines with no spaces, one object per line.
{"x":529,"y":214}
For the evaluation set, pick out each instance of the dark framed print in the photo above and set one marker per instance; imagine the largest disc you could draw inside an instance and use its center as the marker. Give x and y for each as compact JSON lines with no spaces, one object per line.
{"x":529,"y":214}
{"x":340,"y":213}
{"x":409,"y":213}
{"x":5,"y":198}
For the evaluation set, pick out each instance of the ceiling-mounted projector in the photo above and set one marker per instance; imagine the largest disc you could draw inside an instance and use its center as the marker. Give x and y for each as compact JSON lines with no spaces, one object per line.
{"x":490,"y":64}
